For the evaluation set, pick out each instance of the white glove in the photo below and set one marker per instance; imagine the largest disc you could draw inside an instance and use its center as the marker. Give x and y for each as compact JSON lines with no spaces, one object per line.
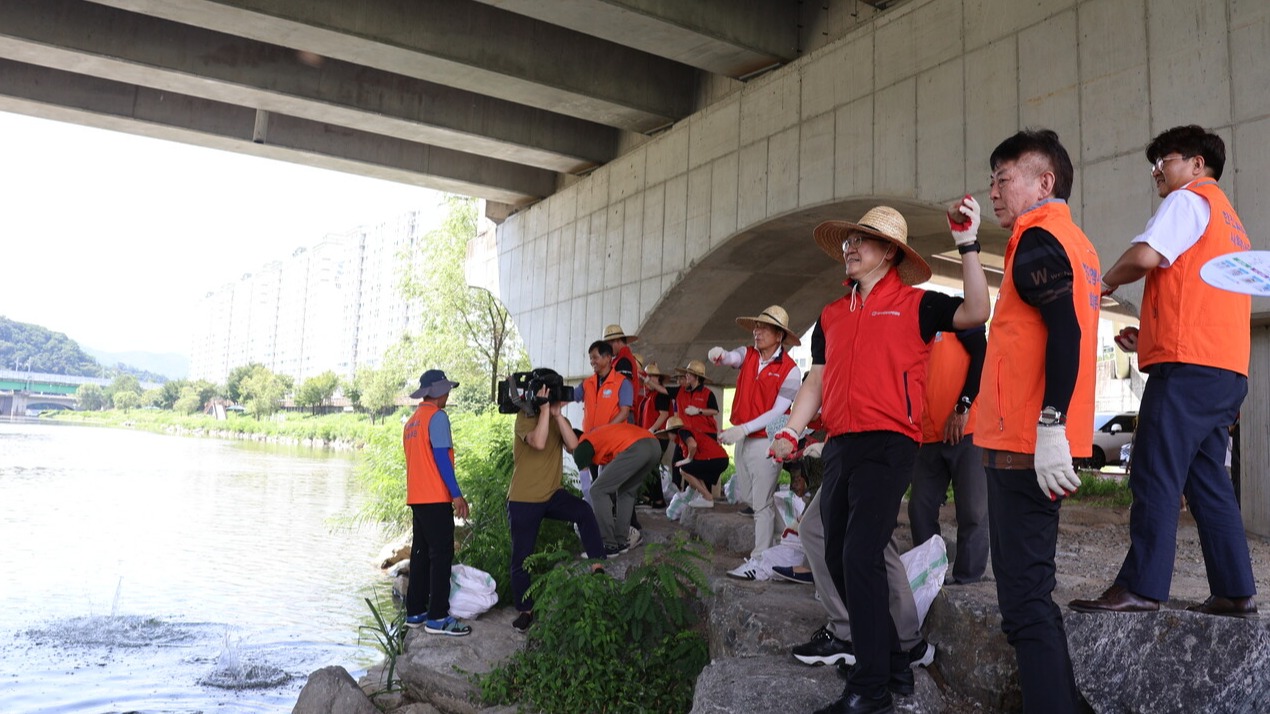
{"x":963,"y":220}
{"x":813,"y":450}
{"x":732,"y":435}
{"x":1054,"y":472}
{"x":685,"y":462}
{"x":691,"y":410}
{"x":784,"y":443}
{"x":715,"y":355}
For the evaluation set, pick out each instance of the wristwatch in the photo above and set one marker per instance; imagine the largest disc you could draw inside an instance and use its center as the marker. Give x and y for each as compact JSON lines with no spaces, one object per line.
{"x":1052,"y":417}
{"x":962,"y":406}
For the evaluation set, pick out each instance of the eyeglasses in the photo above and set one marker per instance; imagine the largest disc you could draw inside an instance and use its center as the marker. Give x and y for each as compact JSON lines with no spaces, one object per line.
{"x":852,"y":242}
{"x":1159,"y":163}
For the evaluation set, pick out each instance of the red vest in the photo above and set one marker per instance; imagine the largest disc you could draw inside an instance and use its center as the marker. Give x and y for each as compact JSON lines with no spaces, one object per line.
{"x":1013,"y":384}
{"x":1187,"y":320}
{"x":423,"y":480}
{"x":707,"y":448}
{"x":600,"y":400}
{"x":874,"y":377}
{"x":609,"y":440}
{"x":637,"y":383}
{"x":756,"y":390}
{"x":946,"y":375}
{"x":648,"y":411}
{"x":699,"y":398}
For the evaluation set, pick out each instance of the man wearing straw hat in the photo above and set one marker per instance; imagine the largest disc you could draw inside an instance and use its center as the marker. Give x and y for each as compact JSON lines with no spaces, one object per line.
{"x":765,"y":388}
{"x":870,"y":401}
{"x":627,"y":364}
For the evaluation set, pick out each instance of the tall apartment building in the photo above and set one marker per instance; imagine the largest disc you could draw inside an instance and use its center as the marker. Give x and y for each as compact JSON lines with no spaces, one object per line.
{"x":335,"y":305}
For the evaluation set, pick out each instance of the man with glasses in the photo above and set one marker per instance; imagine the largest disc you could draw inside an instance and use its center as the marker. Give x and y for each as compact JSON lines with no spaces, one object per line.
{"x":1194,"y":343}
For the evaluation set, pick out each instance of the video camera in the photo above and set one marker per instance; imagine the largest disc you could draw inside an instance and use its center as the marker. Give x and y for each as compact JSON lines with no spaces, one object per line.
{"x":519,"y":392}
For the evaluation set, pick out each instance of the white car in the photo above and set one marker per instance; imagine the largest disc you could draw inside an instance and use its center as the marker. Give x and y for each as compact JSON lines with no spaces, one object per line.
{"x":1111,"y":432}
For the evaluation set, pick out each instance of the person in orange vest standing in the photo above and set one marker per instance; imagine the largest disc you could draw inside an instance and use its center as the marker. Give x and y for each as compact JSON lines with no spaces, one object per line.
{"x":1194,"y":343}
{"x":766,"y":383}
{"x":869,"y":352}
{"x":432,"y":491}
{"x":948,"y":454}
{"x":1036,"y":401}
{"x":628,"y":365}
{"x":607,"y":398}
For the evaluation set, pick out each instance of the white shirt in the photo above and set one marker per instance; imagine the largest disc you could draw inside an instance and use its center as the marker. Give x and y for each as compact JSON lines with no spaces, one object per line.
{"x":1177,"y":225}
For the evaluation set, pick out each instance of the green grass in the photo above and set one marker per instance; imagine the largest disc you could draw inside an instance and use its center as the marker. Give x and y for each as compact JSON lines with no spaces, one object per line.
{"x":1103,"y":490}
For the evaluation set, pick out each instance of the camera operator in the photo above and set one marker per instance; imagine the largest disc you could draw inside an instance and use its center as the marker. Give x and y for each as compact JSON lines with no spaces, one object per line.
{"x":536,"y":491}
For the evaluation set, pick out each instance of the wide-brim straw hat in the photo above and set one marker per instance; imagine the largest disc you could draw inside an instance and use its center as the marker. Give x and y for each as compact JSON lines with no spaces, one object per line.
{"x":881,"y":222}
{"x":672,"y":424}
{"x":652,"y":370}
{"x":695,"y":367}
{"x":775,"y":316}
{"x":615,"y":332}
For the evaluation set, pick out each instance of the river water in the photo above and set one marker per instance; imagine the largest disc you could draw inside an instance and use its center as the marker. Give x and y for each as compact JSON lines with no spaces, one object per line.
{"x":142,"y":572}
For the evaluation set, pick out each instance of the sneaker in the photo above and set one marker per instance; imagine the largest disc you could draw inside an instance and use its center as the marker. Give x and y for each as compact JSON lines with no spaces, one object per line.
{"x":699,"y":501}
{"x":922,"y":654}
{"x":449,"y":627}
{"x":612,"y":551}
{"x":523,"y":621}
{"x":746,"y":571}
{"x":747,"y":511}
{"x":633,"y":537}
{"x":413,"y":621}
{"x":793,"y":576}
{"x":824,"y":648}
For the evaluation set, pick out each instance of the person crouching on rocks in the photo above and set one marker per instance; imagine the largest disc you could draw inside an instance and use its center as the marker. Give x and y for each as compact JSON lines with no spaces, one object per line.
{"x":704,"y":461}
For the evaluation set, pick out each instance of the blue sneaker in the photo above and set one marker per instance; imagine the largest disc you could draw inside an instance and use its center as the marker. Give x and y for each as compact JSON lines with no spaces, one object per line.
{"x":413,"y":621}
{"x":449,"y":627}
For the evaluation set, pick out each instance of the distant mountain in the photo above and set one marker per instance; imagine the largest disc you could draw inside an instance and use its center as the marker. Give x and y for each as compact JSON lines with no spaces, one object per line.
{"x":38,"y":349}
{"x":167,"y":364}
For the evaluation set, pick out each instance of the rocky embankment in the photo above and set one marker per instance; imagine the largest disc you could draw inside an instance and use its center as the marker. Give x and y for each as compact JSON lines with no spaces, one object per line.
{"x":1171,"y":661}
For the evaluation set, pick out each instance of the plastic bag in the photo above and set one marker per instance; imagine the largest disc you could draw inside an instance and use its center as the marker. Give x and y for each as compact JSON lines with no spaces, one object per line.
{"x":668,"y":488}
{"x":472,"y":591}
{"x":678,"y":503}
{"x":729,"y":490}
{"x":789,"y":506}
{"x":926,"y":566}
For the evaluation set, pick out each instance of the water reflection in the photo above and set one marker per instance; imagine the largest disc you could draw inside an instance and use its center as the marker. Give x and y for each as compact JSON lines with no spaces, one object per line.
{"x":151,"y":572}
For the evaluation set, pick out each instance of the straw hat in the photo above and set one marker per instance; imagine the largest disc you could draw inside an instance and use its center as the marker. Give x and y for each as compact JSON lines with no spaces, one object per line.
{"x":672,"y":424}
{"x":615,"y":332}
{"x":881,"y":222}
{"x":652,"y":370}
{"x":696,"y":367}
{"x":775,"y":316}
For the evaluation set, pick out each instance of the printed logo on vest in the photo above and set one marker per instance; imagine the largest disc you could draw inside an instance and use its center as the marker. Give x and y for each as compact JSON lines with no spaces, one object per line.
{"x":894,"y":313}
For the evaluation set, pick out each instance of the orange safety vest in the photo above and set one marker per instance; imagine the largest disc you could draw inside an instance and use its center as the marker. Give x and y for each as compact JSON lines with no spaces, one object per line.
{"x":946,"y":375}
{"x":1013,"y":384}
{"x":609,"y":440}
{"x":707,"y":448}
{"x":757,"y":390}
{"x":699,"y":398}
{"x":874,"y":377}
{"x":1186,"y":320}
{"x":423,"y":479}
{"x":599,"y":399}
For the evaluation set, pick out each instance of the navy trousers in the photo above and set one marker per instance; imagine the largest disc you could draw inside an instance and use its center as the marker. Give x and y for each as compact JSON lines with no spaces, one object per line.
{"x":431,"y":556}
{"x":525,"y":518}
{"x":1180,"y":448}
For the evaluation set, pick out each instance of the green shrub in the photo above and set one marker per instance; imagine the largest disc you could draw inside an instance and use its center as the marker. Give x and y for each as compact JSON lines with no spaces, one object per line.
{"x":603,"y":645}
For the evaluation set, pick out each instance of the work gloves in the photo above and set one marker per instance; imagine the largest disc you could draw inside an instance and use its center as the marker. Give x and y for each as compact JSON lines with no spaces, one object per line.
{"x":1054,"y":471}
{"x":732,"y":435}
{"x":715,"y":355}
{"x":963,"y":220}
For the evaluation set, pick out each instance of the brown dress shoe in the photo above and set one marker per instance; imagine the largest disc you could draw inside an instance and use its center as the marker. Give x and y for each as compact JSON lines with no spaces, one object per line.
{"x":1230,"y":607}
{"x":1116,"y":599}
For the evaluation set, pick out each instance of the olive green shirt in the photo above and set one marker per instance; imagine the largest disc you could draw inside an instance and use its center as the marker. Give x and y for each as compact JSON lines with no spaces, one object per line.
{"x":536,"y":475}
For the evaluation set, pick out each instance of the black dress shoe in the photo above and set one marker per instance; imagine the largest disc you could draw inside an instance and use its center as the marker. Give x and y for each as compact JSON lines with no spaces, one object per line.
{"x":902,"y":681}
{"x":855,"y":703}
{"x":1116,"y":599}
{"x":1230,"y":607}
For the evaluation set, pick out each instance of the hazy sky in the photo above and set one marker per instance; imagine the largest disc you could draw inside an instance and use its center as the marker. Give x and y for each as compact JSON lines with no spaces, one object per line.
{"x":113,"y":238}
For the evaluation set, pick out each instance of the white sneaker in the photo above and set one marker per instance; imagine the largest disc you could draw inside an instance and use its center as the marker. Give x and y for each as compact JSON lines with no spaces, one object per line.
{"x":746,"y":571}
{"x":699,"y":501}
{"x":633,"y":537}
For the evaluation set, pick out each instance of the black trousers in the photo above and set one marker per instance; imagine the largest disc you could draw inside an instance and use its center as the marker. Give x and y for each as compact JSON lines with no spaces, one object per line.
{"x":866,"y":475}
{"x":431,"y":555}
{"x":1023,"y":530}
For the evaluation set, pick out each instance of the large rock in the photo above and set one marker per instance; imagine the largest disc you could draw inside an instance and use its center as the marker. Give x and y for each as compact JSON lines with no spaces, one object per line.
{"x":721,"y":527}
{"x":754,"y":618}
{"x":1171,"y":661}
{"x":779,"y":685}
{"x":331,"y":690}
{"x":972,"y":654}
{"x":438,"y":670}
